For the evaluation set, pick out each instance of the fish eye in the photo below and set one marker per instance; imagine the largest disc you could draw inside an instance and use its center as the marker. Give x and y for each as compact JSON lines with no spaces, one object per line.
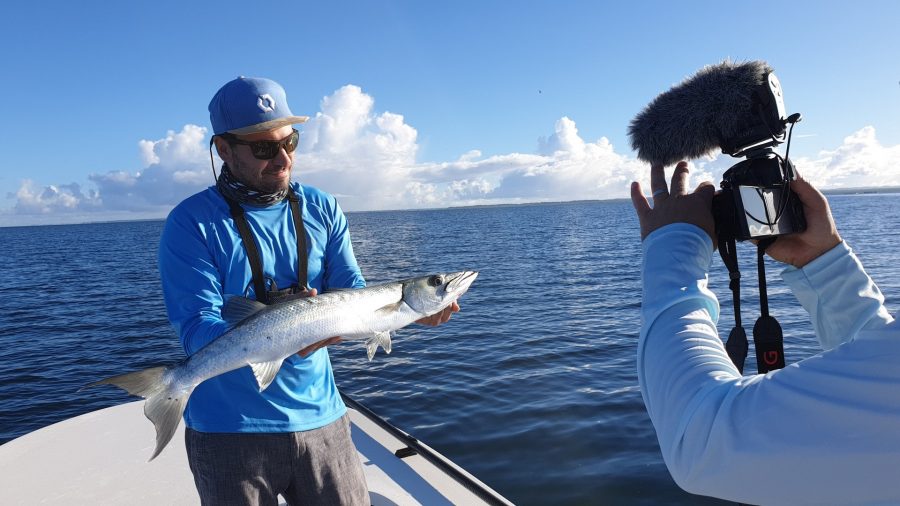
{"x":436,"y":281}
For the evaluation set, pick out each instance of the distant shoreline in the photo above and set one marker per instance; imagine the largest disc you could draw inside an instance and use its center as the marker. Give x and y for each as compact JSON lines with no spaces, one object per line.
{"x":862,"y":191}
{"x":833,"y":191}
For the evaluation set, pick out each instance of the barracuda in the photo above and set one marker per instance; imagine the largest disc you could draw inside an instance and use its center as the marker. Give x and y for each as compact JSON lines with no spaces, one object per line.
{"x":263,"y":336}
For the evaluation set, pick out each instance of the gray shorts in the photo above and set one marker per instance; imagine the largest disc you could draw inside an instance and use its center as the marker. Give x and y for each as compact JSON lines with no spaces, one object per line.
{"x":318,"y":466}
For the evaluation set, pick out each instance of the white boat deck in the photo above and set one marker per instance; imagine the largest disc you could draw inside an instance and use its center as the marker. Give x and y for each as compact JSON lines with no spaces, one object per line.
{"x":101,"y":458}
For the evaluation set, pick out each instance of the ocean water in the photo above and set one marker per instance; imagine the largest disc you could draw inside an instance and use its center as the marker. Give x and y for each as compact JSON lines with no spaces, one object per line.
{"x":532,"y":387}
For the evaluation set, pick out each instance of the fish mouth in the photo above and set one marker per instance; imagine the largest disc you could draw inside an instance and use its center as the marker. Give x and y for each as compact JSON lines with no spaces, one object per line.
{"x":461,"y":282}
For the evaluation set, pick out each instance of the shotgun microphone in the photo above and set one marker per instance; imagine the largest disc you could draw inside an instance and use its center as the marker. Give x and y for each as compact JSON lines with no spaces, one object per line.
{"x":705,"y":112}
{"x":739,"y":109}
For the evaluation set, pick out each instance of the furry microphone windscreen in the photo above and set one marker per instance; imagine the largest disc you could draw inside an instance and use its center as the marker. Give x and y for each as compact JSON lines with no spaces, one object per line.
{"x":695,"y":117}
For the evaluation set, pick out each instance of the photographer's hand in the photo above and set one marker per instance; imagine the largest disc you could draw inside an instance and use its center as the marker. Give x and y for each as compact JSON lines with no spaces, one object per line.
{"x":674,"y":205}
{"x":820,"y":235}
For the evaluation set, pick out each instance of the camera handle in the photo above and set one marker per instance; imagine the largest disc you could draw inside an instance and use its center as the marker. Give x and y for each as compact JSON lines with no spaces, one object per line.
{"x":767,"y":335}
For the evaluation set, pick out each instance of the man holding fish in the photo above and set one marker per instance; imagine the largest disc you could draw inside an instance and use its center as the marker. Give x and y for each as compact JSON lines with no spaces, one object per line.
{"x":280,"y":428}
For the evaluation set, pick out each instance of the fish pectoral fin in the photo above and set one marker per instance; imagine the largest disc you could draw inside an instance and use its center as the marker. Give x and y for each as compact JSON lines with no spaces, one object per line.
{"x":389,"y":309}
{"x":265,"y":372}
{"x":382,"y":339}
{"x":238,"y":309}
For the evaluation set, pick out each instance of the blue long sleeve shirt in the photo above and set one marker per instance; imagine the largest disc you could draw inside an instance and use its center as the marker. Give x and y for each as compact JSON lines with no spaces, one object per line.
{"x":825,"y":430}
{"x":202,"y":261}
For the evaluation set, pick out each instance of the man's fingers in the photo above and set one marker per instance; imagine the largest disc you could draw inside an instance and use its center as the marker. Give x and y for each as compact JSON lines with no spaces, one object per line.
{"x":706,"y":189}
{"x":809,"y":195}
{"x":638,"y":200}
{"x":679,"y":179}
{"x":431,"y":321}
{"x":658,"y":181}
{"x":442,"y":316}
{"x":320,"y":344}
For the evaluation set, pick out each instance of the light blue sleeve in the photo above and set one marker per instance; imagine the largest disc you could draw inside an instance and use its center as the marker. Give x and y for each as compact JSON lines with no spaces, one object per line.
{"x":191,"y":284}
{"x":341,"y":268}
{"x":839,"y":296}
{"x":820,"y":431}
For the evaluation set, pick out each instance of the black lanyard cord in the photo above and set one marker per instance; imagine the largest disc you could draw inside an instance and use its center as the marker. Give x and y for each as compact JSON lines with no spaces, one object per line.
{"x":761,"y":269}
{"x":253,"y":255}
{"x":302,"y":259}
{"x":736,"y":346}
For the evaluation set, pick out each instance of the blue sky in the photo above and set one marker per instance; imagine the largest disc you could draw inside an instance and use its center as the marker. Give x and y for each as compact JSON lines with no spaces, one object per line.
{"x":417,"y":104}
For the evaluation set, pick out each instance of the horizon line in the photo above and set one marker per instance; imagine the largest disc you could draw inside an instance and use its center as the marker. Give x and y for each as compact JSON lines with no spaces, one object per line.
{"x":863,"y":190}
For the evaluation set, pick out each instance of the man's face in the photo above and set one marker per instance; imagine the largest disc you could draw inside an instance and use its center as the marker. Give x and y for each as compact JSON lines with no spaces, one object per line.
{"x":267,"y":176}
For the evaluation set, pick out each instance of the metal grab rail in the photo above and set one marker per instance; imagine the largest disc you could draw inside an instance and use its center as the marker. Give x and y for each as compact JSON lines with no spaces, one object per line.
{"x":413,"y":447}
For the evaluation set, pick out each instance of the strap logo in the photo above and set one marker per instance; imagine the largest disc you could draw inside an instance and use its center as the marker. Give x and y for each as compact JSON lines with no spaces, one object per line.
{"x":266,"y":103}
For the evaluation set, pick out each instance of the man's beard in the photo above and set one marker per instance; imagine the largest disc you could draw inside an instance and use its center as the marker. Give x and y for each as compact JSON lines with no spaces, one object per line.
{"x":233,"y":188}
{"x":260,"y":185}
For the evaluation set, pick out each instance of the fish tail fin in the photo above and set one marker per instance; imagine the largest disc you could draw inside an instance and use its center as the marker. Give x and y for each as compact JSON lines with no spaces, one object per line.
{"x":165,"y":412}
{"x":382,"y":339}
{"x":163,"y":407}
{"x":141,"y":383}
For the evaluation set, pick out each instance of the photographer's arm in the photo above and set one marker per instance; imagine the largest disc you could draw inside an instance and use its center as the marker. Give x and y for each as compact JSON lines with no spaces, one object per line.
{"x":842,"y":300}
{"x":820,"y":431}
{"x":825,"y":275}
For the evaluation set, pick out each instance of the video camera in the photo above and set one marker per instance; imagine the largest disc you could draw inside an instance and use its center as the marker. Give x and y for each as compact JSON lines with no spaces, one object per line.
{"x":738,"y":108}
{"x":756,"y":200}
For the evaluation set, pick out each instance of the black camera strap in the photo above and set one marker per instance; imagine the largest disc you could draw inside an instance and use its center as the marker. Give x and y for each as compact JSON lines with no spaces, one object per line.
{"x":736,"y":346}
{"x":767,"y":335}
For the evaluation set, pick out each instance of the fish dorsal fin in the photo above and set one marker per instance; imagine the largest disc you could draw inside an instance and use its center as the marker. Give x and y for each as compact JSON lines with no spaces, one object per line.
{"x":265,"y":372}
{"x":238,"y":309}
{"x":382,"y":339}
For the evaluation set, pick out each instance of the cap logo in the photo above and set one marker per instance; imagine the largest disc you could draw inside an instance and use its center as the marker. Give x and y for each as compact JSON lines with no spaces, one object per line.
{"x":266,"y":103}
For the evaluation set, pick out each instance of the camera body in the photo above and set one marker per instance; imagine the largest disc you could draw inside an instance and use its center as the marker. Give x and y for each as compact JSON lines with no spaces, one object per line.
{"x":756,"y":201}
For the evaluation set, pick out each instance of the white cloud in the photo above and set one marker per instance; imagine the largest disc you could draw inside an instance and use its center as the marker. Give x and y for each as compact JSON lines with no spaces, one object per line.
{"x":861,"y":161}
{"x":175,"y":167}
{"x":368,"y":159}
{"x":53,"y":199}
{"x":350,"y":150}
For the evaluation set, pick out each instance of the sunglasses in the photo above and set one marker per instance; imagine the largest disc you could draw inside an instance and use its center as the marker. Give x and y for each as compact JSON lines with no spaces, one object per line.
{"x":266,"y":150}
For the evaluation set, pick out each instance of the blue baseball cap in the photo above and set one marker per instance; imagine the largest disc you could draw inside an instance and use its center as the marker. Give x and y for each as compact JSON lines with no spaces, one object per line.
{"x":248,"y":105}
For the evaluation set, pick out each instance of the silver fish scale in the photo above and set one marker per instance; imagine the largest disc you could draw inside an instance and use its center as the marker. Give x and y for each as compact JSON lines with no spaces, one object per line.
{"x":281,"y":330}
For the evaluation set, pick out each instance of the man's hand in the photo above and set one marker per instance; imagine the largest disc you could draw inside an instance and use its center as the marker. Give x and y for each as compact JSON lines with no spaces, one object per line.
{"x":820,"y":235}
{"x":440,"y":317}
{"x":674,"y":205}
{"x":305,"y":352}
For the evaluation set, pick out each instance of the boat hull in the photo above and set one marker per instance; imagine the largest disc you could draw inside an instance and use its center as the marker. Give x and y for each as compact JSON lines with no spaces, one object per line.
{"x":101,"y":458}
